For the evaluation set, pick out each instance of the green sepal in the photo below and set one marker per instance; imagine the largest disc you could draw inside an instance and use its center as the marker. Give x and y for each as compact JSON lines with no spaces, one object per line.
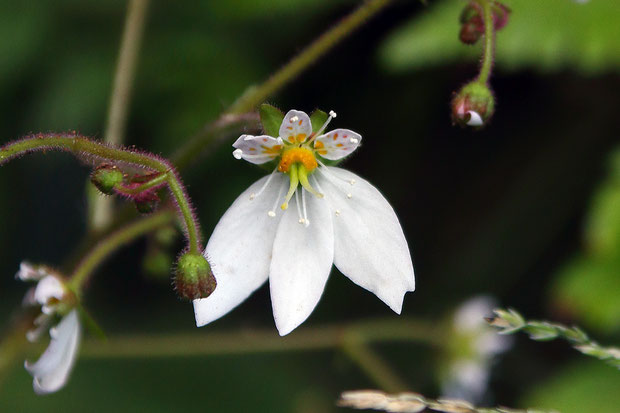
{"x":89,"y":322}
{"x":318,"y":119}
{"x":271,"y":118}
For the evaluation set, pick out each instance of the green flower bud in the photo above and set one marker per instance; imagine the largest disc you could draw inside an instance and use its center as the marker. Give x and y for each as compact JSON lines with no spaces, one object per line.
{"x":473,"y":105}
{"x":194,"y":278}
{"x":105,"y":177}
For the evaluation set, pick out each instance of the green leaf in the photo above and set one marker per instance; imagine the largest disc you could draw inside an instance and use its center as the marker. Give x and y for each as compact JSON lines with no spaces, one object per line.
{"x":603,"y":227}
{"x":271,"y":118}
{"x":581,"y":387}
{"x":318,"y":119}
{"x":548,"y":35}
{"x":588,"y":288}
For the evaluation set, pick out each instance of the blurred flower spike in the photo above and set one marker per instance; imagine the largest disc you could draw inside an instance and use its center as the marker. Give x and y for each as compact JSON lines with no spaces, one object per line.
{"x":474,"y":347}
{"x":51,"y":371}
{"x":473,"y":105}
{"x":291,"y":226}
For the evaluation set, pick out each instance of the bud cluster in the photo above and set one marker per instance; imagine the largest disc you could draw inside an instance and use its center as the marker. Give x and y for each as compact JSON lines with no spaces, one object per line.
{"x":139,"y":188}
{"x":472,"y":22}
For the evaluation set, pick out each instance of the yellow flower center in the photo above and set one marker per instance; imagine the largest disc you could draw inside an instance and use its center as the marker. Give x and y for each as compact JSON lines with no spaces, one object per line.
{"x":301,"y":155}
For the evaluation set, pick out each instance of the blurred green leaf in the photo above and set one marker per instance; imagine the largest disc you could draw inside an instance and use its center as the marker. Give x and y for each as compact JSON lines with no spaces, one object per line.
{"x":588,"y":287}
{"x":548,"y":35}
{"x":578,"y":388}
{"x":271,"y":118}
{"x":603,"y":227}
{"x":318,"y":119}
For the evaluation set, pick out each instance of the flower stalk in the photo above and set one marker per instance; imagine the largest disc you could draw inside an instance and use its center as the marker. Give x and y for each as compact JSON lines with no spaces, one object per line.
{"x":510,"y":321}
{"x":95,"y":151}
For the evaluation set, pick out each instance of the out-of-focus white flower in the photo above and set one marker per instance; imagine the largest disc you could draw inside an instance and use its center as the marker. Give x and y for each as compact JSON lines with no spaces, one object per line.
{"x":52,"y":370}
{"x":475,"y":346}
{"x":328,"y":216}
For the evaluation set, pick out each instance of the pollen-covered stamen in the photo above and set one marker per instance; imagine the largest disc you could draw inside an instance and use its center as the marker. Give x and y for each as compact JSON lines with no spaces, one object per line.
{"x":332,"y":115}
{"x":237,"y":153}
{"x":294,"y":182}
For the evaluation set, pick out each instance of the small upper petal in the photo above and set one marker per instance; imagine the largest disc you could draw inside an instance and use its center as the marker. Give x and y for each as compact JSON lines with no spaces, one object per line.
{"x":302,"y":260}
{"x":296,"y":127}
{"x":49,"y":287}
{"x":257,"y":149}
{"x":239,"y":250}
{"x":28,"y":272}
{"x":369,"y":245}
{"x":52,"y":370}
{"x":337,"y":144}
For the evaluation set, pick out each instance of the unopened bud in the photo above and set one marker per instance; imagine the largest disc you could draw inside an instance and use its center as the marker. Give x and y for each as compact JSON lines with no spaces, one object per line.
{"x":472,"y":23}
{"x":146,"y":205}
{"x":194,"y":278}
{"x":105,"y":177}
{"x":473,"y":105}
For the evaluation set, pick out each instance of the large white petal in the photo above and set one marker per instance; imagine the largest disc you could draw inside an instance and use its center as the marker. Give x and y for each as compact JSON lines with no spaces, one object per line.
{"x":370,"y":247}
{"x":302,"y":261}
{"x":239,"y":249}
{"x":51,"y":371}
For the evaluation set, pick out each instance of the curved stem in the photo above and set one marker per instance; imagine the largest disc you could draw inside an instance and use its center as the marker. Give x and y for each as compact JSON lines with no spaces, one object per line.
{"x":85,"y":148}
{"x":114,"y":241}
{"x":153,"y":183}
{"x":489,"y":42}
{"x":257,"y":94}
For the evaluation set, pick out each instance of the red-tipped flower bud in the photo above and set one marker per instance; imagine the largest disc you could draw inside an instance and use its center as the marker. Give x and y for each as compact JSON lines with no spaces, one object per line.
{"x":105,"y":177}
{"x":472,"y":23}
{"x":194,"y":278}
{"x":473,"y":105}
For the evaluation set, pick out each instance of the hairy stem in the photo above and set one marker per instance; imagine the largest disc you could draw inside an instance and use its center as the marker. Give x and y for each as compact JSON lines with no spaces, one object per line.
{"x":113,"y":242}
{"x":121,"y":96}
{"x":85,"y":148}
{"x":489,"y":41}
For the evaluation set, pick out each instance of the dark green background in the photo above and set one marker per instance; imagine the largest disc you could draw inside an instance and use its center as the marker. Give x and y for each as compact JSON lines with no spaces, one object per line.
{"x":501,"y":211}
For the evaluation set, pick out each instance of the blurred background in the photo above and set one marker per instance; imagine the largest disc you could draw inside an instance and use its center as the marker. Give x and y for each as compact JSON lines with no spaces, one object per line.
{"x":526,"y":211}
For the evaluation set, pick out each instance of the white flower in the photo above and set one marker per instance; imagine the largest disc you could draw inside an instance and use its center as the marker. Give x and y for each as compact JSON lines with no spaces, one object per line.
{"x":468,"y":374}
{"x":335,"y":217}
{"x":52,"y":370}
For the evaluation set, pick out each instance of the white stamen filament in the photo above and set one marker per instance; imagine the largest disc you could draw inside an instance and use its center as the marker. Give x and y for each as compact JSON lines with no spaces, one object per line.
{"x":332,"y":115}
{"x":262,"y":189}
{"x":334,"y":179}
{"x":294,"y":118}
{"x":301,"y":219}
{"x":303,"y":201}
{"x":354,"y":140}
{"x":272,"y":211}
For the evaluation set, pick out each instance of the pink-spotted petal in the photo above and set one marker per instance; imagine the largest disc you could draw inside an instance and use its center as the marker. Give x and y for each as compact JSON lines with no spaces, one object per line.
{"x":337,"y":144}
{"x":257,"y":149}
{"x":296,"y":127}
